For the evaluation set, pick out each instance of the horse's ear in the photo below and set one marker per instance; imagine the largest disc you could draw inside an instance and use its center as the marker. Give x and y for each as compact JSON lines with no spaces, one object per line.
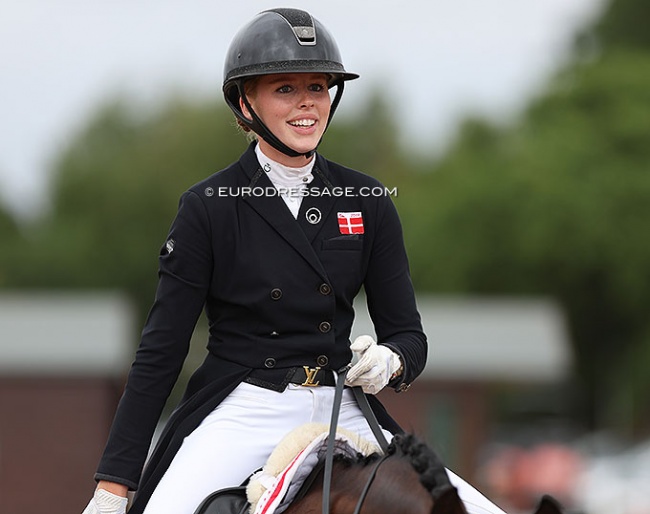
{"x":548,"y":505}
{"x":448,"y":502}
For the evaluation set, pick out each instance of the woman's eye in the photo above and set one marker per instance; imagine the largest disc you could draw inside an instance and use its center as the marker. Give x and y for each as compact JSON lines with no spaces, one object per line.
{"x":284,"y":89}
{"x":317,"y":87}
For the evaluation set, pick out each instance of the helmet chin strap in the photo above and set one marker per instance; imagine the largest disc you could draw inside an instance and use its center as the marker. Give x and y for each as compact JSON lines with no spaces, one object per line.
{"x":258,"y":126}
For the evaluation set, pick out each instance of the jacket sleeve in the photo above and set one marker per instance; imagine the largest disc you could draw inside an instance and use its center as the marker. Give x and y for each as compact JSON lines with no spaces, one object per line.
{"x":391,"y":298}
{"x":185,"y":267}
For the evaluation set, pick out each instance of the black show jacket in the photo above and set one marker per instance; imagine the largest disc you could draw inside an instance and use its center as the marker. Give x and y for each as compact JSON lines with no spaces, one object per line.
{"x":278,"y":293}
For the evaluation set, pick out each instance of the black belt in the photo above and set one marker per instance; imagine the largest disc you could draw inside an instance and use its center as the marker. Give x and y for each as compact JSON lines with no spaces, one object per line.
{"x":278,"y":379}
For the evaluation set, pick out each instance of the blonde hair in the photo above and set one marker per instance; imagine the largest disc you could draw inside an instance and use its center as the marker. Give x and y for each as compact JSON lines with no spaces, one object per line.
{"x":250,"y":86}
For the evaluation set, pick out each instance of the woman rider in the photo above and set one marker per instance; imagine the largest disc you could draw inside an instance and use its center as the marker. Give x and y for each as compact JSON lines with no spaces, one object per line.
{"x":274,"y":248}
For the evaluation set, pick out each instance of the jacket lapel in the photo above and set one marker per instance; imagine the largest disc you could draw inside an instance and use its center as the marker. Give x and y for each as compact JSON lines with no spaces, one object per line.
{"x":275,"y":212}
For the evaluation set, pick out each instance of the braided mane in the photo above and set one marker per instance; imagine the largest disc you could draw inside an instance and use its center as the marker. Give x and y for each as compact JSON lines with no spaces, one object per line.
{"x":423,"y":459}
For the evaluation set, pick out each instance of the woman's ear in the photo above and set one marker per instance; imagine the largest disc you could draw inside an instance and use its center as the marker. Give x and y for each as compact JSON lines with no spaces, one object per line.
{"x":244,"y":109}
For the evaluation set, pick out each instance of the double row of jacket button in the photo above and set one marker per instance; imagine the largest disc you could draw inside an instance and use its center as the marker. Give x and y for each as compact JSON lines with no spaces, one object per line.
{"x":324,"y":327}
{"x":324,"y":289}
{"x":321,"y":360}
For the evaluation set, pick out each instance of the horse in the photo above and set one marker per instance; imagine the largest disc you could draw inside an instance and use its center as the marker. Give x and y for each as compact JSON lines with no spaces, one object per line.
{"x":409,"y":478}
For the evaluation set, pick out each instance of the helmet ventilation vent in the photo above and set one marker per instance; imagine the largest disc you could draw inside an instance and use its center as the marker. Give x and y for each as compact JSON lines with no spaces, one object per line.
{"x":301,"y":23}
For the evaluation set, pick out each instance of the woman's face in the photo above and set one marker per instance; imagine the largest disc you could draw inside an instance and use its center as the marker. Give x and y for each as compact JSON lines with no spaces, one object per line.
{"x":295,"y":107}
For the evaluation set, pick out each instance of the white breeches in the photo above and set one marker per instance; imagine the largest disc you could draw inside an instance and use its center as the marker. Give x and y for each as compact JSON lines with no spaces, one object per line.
{"x":239,"y":435}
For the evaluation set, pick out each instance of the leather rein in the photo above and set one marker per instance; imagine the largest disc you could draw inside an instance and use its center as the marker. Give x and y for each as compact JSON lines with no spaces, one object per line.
{"x":329,"y":452}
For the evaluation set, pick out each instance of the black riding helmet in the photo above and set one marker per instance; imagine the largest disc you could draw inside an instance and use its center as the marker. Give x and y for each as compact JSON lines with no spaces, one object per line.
{"x":280,"y":41}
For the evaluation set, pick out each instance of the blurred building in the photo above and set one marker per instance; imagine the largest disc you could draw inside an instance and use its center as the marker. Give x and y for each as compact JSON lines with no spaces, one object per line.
{"x":62,"y":363}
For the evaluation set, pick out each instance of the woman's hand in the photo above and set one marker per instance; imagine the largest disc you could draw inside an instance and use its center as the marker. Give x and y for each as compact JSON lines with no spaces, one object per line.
{"x":107,"y":502}
{"x":376,"y":366}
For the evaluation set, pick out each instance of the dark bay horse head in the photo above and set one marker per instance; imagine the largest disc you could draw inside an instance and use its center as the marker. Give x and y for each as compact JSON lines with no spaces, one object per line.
{"x":409,"y":479}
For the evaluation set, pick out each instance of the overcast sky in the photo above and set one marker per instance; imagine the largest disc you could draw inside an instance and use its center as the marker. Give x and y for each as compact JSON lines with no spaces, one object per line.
{"x":438,"y":59}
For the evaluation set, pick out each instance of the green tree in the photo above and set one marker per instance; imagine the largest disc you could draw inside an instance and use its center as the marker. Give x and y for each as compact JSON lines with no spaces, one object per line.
{"x":556,"y":205}
{"x":10,"y":237}
{"x":115,"y":191}
{"x":624,"y":24}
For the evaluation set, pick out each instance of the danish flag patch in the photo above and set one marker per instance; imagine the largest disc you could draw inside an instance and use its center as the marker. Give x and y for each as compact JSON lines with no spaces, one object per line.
{"x":350,"y":222}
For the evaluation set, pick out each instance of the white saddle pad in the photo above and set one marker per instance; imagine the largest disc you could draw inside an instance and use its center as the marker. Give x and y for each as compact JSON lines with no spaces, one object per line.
{"x":271,"y":490}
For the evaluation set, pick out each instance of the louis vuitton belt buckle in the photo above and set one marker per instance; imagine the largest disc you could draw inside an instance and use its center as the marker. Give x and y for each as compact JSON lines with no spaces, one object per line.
{"x":312,"y":377}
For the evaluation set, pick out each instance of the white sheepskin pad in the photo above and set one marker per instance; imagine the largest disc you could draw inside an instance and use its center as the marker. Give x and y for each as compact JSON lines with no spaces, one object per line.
{"x":273,"y":488}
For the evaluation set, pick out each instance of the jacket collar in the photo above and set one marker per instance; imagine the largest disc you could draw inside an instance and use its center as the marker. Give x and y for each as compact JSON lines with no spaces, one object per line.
{"x":249,"y":163}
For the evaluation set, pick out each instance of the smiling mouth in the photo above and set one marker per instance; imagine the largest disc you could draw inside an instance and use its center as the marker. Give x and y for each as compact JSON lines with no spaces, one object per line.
{"x":302,"y":123}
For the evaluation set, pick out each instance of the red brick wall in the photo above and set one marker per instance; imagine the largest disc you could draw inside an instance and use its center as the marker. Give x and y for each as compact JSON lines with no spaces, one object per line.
{"x":52,"y":432}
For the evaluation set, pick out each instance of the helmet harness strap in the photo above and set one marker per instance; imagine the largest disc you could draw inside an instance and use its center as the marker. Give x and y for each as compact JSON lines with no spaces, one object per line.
{"x":258,"y":126}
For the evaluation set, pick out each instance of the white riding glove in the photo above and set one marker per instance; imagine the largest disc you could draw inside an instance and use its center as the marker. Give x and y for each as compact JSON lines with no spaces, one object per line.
{"x":375,"y":367}
{"x":104,"y":502}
